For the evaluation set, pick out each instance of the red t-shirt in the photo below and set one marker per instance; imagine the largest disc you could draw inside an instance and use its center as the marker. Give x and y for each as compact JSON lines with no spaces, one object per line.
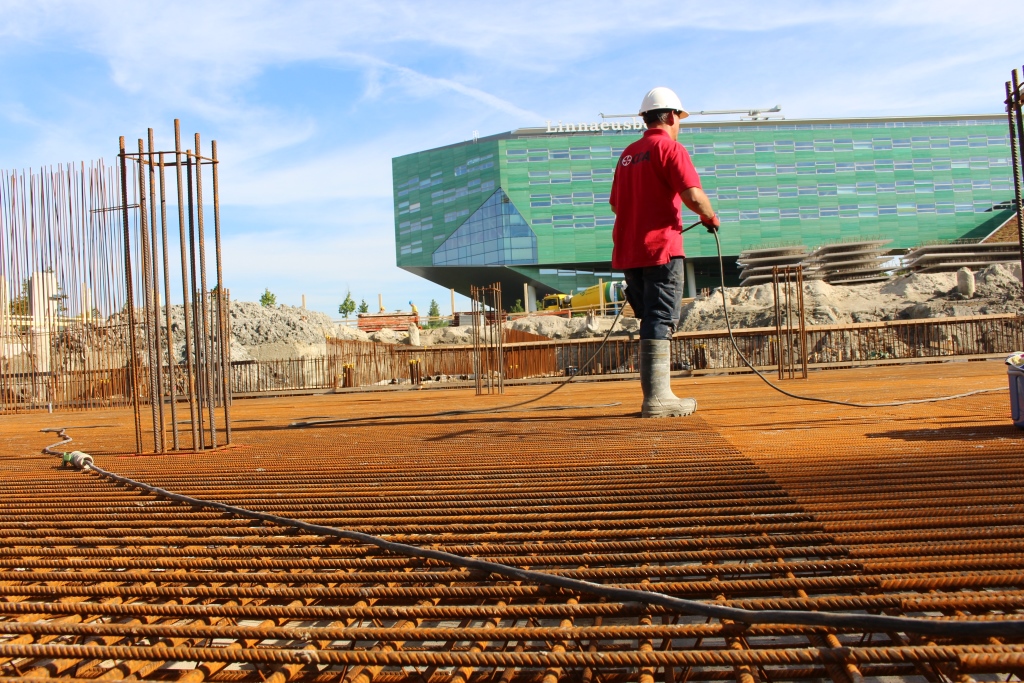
{"x":649,"y":177}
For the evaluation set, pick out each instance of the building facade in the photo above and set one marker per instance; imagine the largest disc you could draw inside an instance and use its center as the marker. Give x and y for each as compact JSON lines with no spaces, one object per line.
{"x":531,"y":206}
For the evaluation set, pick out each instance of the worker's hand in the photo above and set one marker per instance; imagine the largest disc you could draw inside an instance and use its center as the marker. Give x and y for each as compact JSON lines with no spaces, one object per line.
{"x":712,"y":223}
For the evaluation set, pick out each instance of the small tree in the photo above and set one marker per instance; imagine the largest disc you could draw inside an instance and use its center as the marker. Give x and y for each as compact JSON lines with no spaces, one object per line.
{"x":268,"y":298}
{"x":348,"y":306}
{"x":19,"y":304}
{"x":517,"y":307}
{"x":434,"y":314}
{"x":363,"y":307}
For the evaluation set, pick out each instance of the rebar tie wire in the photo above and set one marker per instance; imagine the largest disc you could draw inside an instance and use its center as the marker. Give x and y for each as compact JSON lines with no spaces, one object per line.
{"x":839,"y":620}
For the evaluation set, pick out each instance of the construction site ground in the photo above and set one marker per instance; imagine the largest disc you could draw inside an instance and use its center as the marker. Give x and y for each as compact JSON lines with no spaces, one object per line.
{"x":756,"y":501}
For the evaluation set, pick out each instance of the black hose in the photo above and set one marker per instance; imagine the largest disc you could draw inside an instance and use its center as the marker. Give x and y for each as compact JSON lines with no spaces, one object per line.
{"x":728,"y":325}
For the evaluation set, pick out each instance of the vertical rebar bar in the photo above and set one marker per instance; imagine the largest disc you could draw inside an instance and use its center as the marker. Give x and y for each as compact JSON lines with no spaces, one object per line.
{"x":172,"y":390}
{"x":155,"y":265}
{"x":147,"y":293}
{"x":189,"y":360}
{"x":130,"y":299}
{"x":208,"y":342}
{"x":803,"y":325}
{"x":223,"y":302}
{"x":1013,"y":112}
{"x":789,"y":325}
{"x":198,"y":338}
{"x":499,"y":337}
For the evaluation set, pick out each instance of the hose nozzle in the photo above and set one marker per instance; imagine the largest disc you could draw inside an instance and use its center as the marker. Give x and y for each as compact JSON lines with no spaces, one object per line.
{"x":78,"y":460}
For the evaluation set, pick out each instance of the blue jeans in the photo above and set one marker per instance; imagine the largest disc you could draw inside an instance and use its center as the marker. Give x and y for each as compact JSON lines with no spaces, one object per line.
{"x":654,"y":293}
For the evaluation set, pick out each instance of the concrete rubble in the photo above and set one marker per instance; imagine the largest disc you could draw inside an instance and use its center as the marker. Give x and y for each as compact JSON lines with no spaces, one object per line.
{"x":917,"y":295}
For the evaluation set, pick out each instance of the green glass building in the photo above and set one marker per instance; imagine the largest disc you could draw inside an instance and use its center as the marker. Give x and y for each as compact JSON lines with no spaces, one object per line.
{"x":531,"y":206}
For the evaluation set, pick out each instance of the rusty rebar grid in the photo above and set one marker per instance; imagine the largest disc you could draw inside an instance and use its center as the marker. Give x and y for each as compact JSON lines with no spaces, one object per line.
{"x":848,"y":516}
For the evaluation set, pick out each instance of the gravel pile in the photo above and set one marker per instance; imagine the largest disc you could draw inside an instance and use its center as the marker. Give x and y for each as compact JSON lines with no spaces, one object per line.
{"x":266,"y":332}
{"x":255,"y":325}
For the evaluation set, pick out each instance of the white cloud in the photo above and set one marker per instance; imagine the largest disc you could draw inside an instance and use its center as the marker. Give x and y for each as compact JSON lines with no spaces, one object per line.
{"x":196,"y":53}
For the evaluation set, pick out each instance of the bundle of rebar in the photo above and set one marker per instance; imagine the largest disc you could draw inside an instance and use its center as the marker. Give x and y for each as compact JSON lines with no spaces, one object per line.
{"x":206,"y":372}
{"x":63,"y":331}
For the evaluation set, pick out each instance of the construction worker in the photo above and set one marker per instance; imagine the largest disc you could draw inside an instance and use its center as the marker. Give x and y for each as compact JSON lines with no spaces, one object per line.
{"x":653,"y":177}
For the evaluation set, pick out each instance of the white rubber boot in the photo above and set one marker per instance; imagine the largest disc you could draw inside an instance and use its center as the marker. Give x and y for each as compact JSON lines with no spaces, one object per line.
{"x":659,"y":401}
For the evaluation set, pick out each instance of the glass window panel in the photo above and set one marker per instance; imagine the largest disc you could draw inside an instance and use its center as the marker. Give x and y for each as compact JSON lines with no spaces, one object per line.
{"x":489,"y":235}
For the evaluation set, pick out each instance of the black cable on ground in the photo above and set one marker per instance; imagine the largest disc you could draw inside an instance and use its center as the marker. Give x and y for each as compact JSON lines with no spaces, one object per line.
{"x":866,"y":622}
{"x":728,"y":325}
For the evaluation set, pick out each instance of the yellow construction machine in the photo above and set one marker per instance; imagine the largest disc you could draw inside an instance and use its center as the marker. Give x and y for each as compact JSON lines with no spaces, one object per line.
{"x":590,"y":299}
{"x":555,"y":302}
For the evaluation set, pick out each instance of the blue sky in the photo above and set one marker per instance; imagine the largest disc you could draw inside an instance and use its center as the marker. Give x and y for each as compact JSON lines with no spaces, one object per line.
{"x":309,"y":101}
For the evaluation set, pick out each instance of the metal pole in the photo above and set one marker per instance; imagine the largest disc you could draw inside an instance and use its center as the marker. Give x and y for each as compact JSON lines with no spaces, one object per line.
{"x":155,"y":266}
{"x":197,"y":335}
{"x":778,"y":322}
{"x":147,"y":293}
{"x":789,"y":327}
{"x":803,"y":326}
{"x":499,"y":325}
{"x":189,"y":361}
{"x":1013,"y":112}
{"x":223,"y":304}
{"x":207,"y":323}
{"x":130,"y":298}
{"x":172,"y":389}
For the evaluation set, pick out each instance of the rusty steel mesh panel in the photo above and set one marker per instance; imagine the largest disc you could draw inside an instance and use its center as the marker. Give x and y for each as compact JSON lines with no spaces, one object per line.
{"x":913,"y":511}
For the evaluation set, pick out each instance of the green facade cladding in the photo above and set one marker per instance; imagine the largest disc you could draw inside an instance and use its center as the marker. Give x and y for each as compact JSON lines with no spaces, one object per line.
{"x":531,"y":206}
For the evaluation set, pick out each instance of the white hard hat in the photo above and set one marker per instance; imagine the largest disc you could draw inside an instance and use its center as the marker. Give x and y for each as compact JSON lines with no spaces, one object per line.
{"x":662,"y":98}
